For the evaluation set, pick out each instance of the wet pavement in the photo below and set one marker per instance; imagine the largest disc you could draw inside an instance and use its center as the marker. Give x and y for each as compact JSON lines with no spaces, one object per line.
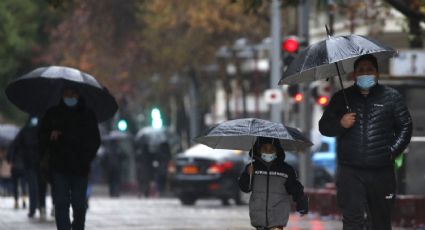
{"x":131,"y":213}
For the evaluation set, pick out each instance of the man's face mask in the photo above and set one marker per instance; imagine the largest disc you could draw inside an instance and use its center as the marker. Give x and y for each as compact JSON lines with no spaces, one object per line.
{"x":268,"y":157}
{"x":366,"y":82}
{"x":70,"y":101}
{"x":34,"y":121}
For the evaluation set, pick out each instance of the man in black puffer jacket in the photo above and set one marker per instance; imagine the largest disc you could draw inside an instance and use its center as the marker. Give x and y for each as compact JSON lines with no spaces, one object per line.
{"x":376,"y":130}
{"x":69,"y":134}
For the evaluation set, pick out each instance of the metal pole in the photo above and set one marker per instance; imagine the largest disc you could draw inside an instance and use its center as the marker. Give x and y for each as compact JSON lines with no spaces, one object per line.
{"x":306,"y":169}
{"x":194,"y":97}
{"x":275,"y":112}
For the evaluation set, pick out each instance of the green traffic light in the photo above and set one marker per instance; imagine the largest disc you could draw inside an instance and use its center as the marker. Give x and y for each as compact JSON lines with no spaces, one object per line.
{"x":156,"y":118}
{"x":122,"y":125}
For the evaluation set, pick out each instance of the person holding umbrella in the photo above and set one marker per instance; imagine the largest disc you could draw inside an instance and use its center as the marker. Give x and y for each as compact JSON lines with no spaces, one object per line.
{"x":270,"y":179}
{"x":273,"y":183}
{"x":70,"y":104}
{"x":70,"y":135}
{"x":371,"y":134}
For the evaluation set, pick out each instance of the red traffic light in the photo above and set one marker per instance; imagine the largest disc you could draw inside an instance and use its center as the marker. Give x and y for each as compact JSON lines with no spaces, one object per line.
{"x":298,"y":97}
{"x":323,"y":100}
{"x":290,"y":45}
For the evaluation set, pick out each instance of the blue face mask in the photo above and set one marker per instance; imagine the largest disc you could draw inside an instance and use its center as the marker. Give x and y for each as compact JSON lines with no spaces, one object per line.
{"x":366,"y":82}
{"x":268,"y":157}
{"x":34,"y":121}
{"x":70,"y":101}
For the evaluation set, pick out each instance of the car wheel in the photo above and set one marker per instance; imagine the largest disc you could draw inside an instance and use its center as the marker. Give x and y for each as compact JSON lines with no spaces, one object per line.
{"x":187,"y":200}
{"x":225,"y":201}
{"x":239,"y":198}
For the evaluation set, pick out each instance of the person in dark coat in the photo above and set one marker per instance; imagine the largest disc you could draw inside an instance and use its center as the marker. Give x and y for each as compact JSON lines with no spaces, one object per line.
{"x":26,"y":142}
{"x":69,"y":134}
{"x":145,"y":169}
{"x":16,"y":157}
{"x":272,"y":182}
{"x":162,"y":156}
{"x":370,"y":136}
{"x":112,"y":164}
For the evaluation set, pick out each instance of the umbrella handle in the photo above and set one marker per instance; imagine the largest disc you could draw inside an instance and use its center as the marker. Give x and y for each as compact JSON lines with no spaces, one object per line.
{"x":327,"y":31}
{"x":347,"y":105}
{"x":250,"y":175}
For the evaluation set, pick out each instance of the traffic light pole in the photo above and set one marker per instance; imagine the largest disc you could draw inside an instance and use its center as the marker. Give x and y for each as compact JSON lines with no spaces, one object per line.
{"x":275,"y":112}
{"x":306,"y":168}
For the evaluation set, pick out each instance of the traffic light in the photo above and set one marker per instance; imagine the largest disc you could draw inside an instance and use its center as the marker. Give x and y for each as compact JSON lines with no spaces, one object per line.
{"x":122,"y":125}
{"x":156,"y":118}
{"x":290,"y":47}
{"x":321,"y":93}
{"x":295,"y":94}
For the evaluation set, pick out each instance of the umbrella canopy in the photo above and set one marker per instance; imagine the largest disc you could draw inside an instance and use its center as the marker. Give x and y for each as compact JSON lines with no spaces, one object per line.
{"x":328,"y":57}
{"x":242,"y":133}
{"x":42,"y":88}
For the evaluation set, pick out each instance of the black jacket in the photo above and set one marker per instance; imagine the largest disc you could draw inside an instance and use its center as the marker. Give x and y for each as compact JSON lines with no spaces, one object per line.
{"x":26,"y":144}
{"x":382,"y":129}
{"x":77,"y":146}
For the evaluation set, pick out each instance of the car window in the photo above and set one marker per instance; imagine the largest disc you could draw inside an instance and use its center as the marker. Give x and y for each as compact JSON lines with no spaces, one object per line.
{"x":324,"y":147}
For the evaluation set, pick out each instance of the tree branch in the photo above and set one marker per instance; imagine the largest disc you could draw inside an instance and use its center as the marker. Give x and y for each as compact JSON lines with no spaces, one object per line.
{"x":404,"y":8}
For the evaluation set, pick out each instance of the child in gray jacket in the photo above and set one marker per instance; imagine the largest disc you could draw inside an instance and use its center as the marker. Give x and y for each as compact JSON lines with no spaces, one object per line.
{"x":272,"y":183}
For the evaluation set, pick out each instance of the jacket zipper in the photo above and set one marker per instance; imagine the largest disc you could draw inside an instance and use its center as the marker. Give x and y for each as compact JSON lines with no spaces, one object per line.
{"x":267,"y":199}
{"x":365,"y":119}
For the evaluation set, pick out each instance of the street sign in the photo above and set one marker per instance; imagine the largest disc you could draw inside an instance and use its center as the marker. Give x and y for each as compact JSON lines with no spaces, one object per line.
{"x":408,"y":63}
{"x":273,"y":96}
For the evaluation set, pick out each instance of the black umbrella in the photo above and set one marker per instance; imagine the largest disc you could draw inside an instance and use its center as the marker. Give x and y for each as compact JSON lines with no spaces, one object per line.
{"x":242,"y":133}
{"x":333,"y":57}
{"x":42,"y":88}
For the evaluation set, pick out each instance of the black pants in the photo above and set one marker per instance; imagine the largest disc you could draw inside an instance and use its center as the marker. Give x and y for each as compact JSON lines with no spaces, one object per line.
{"x":70,"y":190}
{"x":32,"y":178}
{"x":361,"y":190}
{"x":19,"y":180}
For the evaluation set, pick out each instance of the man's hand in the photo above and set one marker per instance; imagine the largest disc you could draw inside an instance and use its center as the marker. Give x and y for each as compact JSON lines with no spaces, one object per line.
{"x":347,"y":121}
{"x":54,"y":135}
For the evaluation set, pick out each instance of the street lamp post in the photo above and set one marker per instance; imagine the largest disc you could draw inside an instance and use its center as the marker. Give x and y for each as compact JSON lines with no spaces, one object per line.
{"x":241,"y":53}
{"x":223,"y":55}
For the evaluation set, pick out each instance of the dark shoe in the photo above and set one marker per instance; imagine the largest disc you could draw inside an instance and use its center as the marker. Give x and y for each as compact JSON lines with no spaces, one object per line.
{"x":31,"y":214}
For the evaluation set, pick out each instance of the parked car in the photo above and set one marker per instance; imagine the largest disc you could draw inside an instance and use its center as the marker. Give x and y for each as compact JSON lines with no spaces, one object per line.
{"x":203,"y":172}
{"x":322,"y":176}
{"x":325,"y":156}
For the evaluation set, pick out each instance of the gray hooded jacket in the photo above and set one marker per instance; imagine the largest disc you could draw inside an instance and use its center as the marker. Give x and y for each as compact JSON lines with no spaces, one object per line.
{"x":272,"y":187}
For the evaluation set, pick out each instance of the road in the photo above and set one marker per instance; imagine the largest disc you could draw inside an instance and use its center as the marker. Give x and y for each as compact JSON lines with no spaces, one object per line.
{"x":131,"y":213}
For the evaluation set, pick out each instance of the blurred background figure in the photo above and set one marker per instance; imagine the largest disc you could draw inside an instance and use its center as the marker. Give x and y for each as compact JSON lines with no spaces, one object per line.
{"x":154,"y":150}
{"x":162,"y":158}
{"x":15,"y":156}
{"x":5,"y":174}
{"x":26,"y":147}
{"x":144,"y":162}
{"x":7,"y":133}
{"x":112,"y":165}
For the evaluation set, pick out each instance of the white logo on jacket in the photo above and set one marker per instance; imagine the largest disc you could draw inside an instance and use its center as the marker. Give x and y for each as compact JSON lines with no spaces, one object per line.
{"x":271,"y":173}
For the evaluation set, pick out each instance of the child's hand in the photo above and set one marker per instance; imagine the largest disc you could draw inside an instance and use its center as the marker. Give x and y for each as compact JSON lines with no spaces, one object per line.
{"x":302,"y":205}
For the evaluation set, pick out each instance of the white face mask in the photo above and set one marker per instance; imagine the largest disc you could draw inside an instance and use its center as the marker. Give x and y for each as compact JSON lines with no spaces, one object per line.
{"x":268,"y":157}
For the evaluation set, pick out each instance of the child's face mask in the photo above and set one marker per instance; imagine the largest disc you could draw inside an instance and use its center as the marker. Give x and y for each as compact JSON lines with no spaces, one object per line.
{"x":268,"y":157}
